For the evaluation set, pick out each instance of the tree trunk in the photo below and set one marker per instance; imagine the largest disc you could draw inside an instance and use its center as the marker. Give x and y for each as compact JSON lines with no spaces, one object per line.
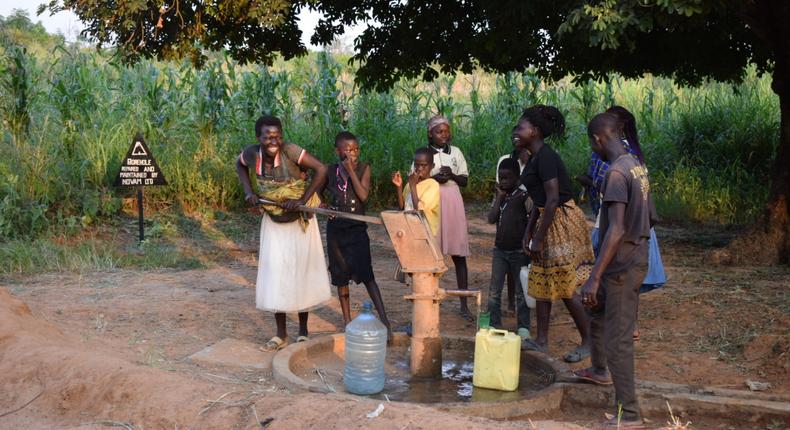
{"x":768,"y":241}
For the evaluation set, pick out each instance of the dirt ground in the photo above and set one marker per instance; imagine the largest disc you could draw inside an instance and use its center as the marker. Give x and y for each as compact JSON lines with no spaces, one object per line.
{"x":111,"y":348}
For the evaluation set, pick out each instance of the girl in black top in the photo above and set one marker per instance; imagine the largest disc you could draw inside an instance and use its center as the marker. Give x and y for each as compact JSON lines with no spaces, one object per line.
{"x":347,"y":241}
{"x":557,"y":237}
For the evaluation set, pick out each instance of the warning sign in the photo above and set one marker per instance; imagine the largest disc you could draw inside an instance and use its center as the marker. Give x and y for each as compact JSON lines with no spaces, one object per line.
{"x":139,"y":166}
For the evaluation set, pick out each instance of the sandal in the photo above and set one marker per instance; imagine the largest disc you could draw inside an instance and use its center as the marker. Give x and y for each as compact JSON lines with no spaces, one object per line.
{"x":614,"y":423}
{"x":587,"y":375}
{"x":274,"y":344}
{"x":578,"y":354}
{"x":302,"y":339}
{"x":531,"y":345}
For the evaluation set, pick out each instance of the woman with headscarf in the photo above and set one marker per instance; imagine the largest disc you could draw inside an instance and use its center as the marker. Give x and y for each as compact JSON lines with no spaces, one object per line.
{"x":451,"y":172}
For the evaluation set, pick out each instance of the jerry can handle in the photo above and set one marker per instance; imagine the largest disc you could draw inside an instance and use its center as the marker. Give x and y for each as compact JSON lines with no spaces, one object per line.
{"x":498,"y":331}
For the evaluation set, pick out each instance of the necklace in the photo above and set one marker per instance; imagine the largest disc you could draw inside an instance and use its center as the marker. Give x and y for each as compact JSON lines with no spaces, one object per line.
{"x":342,"y":187}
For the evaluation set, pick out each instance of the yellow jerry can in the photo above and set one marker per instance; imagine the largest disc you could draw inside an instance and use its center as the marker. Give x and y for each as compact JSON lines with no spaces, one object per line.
{"x":497,"y":360}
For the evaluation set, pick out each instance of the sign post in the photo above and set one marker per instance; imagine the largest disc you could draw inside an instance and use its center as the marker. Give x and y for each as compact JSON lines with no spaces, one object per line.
{"x":139,"y":169}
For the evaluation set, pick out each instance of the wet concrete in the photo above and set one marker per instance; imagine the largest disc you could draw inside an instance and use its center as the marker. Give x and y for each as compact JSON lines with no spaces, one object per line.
{"x":321,"y":369}
{"x":455,"y":385}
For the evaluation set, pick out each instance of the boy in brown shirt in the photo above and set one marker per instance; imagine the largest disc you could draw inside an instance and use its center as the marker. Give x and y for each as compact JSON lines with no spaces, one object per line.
{"x":611,"y":292}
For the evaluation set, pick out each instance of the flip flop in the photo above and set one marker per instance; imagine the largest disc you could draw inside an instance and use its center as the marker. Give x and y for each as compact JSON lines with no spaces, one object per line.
{"x":274,"y":344}
{"x":587,"y":376}
{"x":613,"y":423}
{"x":578,"y":354}
{"x":531,"y":345}
{"x":302,"y":339}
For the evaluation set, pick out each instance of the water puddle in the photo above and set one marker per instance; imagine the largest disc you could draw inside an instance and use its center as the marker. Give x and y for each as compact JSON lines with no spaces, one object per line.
{"x":455,"y":384}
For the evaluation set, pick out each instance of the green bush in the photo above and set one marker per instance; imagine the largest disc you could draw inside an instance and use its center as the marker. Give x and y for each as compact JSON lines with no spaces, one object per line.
{"x":707,"y":148}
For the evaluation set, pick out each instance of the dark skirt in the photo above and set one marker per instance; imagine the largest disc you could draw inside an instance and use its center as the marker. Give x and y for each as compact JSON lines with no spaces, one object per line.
{"x":348,"y":249}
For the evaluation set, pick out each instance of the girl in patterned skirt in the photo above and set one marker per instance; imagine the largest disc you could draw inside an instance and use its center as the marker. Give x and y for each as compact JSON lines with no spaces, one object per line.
{"x":557,"y":237}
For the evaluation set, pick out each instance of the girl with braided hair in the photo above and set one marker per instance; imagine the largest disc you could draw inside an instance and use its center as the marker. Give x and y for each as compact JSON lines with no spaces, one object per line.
{"x":557,"y":237}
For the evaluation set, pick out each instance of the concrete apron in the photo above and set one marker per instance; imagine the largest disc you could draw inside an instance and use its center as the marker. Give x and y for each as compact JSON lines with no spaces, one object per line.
{"x":685,"y":400}
{"x":563,"y":394}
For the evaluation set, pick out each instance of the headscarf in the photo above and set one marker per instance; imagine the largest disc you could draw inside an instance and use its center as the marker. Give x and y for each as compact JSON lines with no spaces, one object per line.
{"x":436,"y":121}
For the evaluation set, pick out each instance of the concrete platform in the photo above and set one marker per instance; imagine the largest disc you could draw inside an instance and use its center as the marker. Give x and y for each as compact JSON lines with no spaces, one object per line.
{"x":234,"y":353}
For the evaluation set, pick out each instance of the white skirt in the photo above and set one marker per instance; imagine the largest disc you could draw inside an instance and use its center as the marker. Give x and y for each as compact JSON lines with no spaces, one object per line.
{"x":292,"y":274}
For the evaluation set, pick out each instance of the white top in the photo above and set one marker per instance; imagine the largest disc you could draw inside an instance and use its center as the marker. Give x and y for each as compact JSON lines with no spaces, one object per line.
{"x":455,"y":159}
{"x":520,"y":167}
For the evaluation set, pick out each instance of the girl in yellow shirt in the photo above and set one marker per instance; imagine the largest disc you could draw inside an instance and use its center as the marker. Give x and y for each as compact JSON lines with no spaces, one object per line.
{"x":427,"y":197}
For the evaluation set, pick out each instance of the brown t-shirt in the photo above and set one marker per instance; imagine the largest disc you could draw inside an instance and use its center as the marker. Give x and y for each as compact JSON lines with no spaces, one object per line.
{"x":626,"y":182}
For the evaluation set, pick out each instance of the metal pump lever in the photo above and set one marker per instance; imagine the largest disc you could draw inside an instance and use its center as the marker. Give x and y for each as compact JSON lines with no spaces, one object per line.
{"x":328,"y":212}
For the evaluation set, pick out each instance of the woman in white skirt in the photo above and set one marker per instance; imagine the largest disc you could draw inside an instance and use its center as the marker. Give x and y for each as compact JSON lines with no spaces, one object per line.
{"x":292,"y":274}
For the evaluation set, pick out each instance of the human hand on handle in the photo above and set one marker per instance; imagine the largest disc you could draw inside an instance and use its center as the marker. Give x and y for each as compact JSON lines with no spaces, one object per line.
{"x":292,"y":204}
{"x":252,"y":199}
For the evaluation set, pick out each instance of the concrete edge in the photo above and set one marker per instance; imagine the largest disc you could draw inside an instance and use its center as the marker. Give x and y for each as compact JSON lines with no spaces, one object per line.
{"x":281,"y":364}
{"x":684,"y":400}
{"x":563,"y":393}
{"x":547,"y":399}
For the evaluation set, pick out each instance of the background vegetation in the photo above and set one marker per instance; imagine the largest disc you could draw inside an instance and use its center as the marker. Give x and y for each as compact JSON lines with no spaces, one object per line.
{"x":69,"y":114}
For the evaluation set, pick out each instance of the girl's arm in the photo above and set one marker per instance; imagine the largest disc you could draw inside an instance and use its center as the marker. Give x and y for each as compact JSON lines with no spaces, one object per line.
{"x":321,"y":193}
{"x":528,"y":232}
{"x":461,"y":180}
{"x":493,"y":212}
{"x":615,"y":211}
{"x":552,"y":188}
{"x":244,"y":177}
{"x":361,"y":185}
{"x":397,"y":180}
{"x":319,"y":179}
{"x":415,"y":199}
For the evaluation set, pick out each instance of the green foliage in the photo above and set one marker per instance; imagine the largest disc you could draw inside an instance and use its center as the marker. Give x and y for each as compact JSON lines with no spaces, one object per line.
{"x":251,"y":30}
{"x":685,"y":39}
{"x":16,"y":84}
{"x":707,"y":147}
{"x":18,"y":29}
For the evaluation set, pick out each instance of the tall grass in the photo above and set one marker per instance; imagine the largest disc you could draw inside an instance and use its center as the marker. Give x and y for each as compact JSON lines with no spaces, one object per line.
{"x":60,"y":148}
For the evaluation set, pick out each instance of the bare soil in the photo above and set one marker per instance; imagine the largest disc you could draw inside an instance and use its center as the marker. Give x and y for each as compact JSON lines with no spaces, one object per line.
{"x":111,"y":348}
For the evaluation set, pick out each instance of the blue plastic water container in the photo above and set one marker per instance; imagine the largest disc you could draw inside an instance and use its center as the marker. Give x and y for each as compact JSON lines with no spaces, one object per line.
{"x":366,"y":350}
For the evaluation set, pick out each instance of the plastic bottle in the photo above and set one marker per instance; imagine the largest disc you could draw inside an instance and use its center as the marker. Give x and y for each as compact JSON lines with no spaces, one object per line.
{"x":366,"y":349}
